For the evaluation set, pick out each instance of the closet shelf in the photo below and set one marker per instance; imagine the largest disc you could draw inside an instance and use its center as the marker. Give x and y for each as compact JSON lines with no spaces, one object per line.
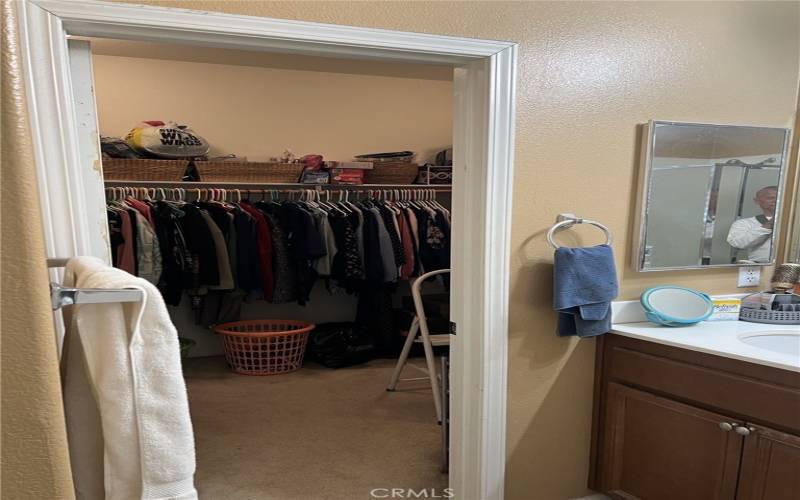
{"x":261,"y":185}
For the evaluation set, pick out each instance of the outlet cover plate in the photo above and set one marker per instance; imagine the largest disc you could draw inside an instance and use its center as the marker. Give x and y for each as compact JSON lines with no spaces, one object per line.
{"x":749,"y":276}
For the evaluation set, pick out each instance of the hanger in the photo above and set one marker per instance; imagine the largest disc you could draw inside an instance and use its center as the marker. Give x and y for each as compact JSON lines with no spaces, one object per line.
{"x":335,"y":206}
{"x":327,"y":203}
{"x":343,"y":201}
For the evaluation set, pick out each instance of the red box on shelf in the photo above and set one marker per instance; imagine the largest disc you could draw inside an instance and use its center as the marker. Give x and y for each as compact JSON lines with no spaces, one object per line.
{"x":347,"y":176}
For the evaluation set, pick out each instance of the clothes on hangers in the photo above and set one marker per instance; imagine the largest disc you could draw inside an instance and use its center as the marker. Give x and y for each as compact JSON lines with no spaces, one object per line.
{"x":284,"y":288}
{"x":148,"y":255}
{"x":304,"y":244}
{"x":264,"y":249}
{"x":177,"y":259}
{"x":275,"y":250}
{"x":133,"y":238}
{"x":347,"y":268}
{"x":406,"y":239}
{"x":247,"y":267}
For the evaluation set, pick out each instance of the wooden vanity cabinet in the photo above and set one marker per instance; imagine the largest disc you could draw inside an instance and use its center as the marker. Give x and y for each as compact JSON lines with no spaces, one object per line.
{"x":671,"y":424}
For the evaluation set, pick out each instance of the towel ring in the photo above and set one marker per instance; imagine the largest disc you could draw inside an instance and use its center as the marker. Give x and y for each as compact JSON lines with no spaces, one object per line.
{"x":568,"y":222}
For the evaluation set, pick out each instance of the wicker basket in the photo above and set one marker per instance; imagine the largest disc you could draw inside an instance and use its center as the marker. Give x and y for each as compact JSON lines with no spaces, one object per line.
{"x":241,"y":171}
{"x":264,"y":347}
{"x":123,"y":169}
{"x":391,"y":173}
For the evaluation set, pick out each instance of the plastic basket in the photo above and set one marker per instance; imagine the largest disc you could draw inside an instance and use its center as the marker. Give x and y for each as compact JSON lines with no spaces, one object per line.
{"x":759,"y":309}
{"x":264,"y":347}
{"x":770,"y":317}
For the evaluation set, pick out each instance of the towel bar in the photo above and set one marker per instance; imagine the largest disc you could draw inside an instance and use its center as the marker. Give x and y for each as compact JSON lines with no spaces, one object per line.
{"x":564,"y":221}
{"x":61,"y":296}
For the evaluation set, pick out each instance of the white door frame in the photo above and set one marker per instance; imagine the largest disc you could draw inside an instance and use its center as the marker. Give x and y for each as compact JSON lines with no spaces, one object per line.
{"x":71,"y":185}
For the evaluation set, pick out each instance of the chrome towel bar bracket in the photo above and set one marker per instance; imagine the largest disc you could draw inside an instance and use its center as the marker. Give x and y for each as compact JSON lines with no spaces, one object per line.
{"x":61,"y":296}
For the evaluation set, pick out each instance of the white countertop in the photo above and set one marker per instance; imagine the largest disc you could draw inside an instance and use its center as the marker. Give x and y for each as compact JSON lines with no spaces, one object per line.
{"x":721,"y":338}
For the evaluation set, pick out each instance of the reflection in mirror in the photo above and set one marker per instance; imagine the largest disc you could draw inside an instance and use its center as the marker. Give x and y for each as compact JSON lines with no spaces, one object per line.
{"x":710,"y":195}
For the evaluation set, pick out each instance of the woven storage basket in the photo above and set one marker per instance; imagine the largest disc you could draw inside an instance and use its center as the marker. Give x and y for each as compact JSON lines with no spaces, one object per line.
{"x":123,"y":169}
{"x":264,"y":347}
{"x":391,"y":173}
{"x":248,"y":171}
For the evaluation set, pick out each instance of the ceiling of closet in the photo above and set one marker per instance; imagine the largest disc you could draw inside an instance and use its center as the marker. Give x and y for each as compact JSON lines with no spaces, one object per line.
{"x":175,"y":52}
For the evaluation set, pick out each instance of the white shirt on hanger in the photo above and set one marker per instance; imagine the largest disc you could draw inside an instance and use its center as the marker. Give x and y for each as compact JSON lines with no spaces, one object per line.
{"x":749,"y":234}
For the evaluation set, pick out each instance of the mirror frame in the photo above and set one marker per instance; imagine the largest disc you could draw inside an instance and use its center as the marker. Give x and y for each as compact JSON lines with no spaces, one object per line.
{"x":793,"y":247}
{"x":643,"y":188}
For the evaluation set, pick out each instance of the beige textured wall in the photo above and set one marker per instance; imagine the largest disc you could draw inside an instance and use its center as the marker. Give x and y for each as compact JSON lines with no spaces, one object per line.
{"x":258,"y":112}
{"x":589,"y":73}
{"x":35,"y":463}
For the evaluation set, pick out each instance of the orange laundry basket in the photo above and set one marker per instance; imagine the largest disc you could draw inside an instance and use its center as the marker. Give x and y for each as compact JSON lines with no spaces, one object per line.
{"x":264,"y":347}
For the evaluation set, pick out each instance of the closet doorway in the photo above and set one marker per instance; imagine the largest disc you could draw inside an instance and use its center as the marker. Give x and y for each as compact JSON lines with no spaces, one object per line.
{"x":65,"y":129}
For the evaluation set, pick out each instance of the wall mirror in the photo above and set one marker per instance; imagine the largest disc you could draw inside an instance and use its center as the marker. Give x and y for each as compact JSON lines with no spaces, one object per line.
{"x":709,"y":195}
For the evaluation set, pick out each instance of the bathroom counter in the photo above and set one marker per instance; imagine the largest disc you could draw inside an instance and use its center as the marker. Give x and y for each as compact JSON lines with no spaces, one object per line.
{"x":721,"y":338}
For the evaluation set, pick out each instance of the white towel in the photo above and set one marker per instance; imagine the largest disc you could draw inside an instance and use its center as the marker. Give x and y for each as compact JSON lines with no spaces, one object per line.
{"x":128,"y":423}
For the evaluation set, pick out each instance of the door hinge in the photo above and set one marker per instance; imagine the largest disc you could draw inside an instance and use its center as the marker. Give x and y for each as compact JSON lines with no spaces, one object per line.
{"x":452,"y":328}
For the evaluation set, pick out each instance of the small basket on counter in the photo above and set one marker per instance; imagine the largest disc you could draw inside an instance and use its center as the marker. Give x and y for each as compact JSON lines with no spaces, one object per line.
{"x":264,"y":347}
{"x":128,"y":169}
{"x":240,"y":171}
{"x":771,"y":308}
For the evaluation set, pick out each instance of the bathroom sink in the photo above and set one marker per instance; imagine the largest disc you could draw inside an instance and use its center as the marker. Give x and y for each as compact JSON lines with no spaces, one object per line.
{"x":779,"y":341}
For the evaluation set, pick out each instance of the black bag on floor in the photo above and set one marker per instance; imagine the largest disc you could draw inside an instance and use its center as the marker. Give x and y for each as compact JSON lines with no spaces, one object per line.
{"x":337,"y":345}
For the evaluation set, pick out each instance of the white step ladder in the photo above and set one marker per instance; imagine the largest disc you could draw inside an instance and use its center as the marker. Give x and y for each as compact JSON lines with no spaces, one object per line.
{"x":419,"y":327}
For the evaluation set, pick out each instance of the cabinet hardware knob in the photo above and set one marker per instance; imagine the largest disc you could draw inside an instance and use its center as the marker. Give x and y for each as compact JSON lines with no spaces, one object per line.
{"x":743,"y":431}
{"x":725,"y":426}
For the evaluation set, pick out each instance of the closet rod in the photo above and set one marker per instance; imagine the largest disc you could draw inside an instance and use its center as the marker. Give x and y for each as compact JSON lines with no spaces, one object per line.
{"x":267,"y":185}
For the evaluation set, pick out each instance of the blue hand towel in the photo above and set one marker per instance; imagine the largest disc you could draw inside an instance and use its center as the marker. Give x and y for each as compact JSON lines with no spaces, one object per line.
{"x":584,"y":284}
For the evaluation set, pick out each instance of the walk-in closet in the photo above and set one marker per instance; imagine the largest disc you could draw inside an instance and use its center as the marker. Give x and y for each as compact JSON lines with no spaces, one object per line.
{"x":286,"y":207}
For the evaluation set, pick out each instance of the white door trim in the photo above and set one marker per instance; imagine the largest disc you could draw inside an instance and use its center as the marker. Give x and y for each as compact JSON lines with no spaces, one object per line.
{"x":484,"y":109}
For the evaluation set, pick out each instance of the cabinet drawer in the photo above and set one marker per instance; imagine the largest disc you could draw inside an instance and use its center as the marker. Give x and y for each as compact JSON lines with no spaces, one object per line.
{"x":748,"y":398}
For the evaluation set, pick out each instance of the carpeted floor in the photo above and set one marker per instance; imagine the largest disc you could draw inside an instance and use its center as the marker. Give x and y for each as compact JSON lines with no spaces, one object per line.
{"x":313,"y":434}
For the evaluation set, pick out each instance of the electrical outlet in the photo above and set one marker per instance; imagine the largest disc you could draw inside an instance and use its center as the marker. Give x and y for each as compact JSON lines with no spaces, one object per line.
{"x":749,"y":276}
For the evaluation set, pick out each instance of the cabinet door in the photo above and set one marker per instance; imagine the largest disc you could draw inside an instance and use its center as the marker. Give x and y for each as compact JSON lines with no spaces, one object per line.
{"x":658,"y":449}
{"x":770,"y":466}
